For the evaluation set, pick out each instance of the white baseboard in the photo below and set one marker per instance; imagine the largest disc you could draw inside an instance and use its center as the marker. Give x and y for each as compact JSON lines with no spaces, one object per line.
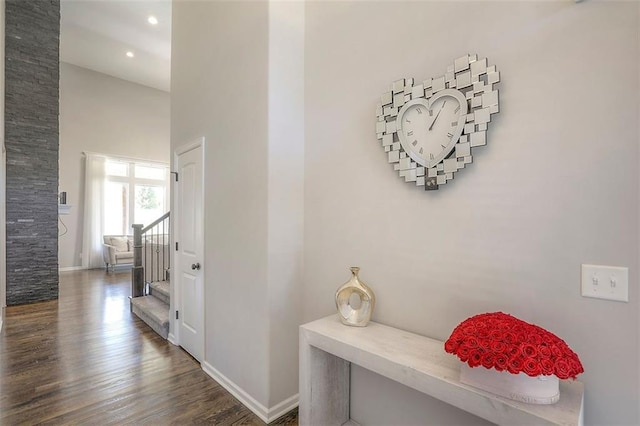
{"x":265,"y":414}
{"x":172,"y":339}
{"x":71,"y":268}
{"x":283,"y":407}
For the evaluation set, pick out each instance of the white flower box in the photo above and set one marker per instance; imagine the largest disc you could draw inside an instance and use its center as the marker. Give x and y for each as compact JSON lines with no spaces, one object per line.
{"x":519,"y":387}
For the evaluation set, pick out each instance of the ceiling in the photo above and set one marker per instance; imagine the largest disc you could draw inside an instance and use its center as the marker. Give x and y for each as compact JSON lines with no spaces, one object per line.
{"x":97,"y":34}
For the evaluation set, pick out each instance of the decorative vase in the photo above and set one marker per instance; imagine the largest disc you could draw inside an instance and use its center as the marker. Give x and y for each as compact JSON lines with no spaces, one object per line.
{"x":355,"y":301}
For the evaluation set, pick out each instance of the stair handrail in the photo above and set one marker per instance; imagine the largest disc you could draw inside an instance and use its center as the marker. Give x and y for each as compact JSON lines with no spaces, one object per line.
{"x":138,"y":281}
{"x":154,"y":223}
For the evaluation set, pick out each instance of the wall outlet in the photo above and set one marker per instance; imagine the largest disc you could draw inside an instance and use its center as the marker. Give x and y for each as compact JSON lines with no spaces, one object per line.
{"x":605,"y":282}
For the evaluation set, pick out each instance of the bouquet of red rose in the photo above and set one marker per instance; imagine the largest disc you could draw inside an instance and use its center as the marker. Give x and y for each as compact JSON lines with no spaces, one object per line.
{"x":506,"y":343}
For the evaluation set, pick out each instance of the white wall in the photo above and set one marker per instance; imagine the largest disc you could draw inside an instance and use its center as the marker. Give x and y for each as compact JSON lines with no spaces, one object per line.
{"x":103,"y":114}
{"x":219,"y":87}
{"x":286,"y":194}
{"x":556,"y":186}
{"x":237,"y":80}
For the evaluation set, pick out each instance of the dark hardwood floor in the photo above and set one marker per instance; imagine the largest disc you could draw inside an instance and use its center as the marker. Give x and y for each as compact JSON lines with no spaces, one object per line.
{"x":85,"y":359}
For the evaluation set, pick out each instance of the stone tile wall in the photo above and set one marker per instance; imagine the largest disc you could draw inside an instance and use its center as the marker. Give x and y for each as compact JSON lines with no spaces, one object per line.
{"x":32,"y":39}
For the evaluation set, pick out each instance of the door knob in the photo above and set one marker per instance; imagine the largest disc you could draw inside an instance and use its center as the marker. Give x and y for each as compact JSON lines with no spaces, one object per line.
{"x":195,"y":266}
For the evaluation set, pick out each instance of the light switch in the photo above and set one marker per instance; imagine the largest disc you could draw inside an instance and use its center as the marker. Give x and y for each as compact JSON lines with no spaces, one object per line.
{"x":605,"y":282}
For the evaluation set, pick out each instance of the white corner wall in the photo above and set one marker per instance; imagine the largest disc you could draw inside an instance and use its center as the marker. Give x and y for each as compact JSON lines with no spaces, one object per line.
{"x":238,"y":80}
{"x":556,"y":186}
{"x":286,"y":199}
{"x":219,"y":90}
{"x":100,"y":113}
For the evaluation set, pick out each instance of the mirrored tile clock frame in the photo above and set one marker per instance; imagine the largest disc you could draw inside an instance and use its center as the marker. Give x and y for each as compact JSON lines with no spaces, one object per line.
{"x":428,"y":128}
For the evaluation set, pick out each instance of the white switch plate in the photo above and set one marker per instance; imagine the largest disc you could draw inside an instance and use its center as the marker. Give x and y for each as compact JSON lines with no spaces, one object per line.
{"x":605,"y":282}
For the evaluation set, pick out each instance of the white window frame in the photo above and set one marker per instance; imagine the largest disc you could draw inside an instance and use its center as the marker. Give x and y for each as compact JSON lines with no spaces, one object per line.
{"x":132,"y":181}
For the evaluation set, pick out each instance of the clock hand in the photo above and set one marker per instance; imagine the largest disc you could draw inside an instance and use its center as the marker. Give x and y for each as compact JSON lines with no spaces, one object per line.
{"x":435,"y":117}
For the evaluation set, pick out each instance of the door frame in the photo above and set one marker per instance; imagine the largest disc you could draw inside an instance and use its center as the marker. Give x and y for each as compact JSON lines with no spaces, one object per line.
{"x":174,"y":329}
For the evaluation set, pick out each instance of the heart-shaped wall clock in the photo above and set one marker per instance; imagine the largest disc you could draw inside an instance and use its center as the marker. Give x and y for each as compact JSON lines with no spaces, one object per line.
{"x":428,"y":129}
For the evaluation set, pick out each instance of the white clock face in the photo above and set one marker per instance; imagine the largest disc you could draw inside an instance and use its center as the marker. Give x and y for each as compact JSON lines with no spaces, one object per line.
{"x":428,"y":129}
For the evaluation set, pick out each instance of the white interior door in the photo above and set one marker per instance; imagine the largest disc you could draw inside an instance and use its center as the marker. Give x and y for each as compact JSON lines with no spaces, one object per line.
{"x":188,"y":206}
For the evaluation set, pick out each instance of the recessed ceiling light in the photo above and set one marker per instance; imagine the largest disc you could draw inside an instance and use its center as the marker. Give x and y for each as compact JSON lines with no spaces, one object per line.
{"x":153,"y":20}
{"x":130,"y":54}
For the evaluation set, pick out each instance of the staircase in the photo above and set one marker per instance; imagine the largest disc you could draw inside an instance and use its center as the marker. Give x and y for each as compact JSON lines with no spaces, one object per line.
{"x":154,"y":308}
{"x":150,"y":285}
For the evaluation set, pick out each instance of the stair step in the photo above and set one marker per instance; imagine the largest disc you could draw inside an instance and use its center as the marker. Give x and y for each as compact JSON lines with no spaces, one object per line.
{"x":160,"y":289}
{"x":152,"y":311}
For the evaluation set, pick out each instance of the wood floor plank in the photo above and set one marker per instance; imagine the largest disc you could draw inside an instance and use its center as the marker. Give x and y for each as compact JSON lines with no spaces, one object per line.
{"x":85,"y":359}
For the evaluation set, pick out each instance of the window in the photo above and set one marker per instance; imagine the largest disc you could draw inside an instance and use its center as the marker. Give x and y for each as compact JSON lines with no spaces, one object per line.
{"x":134,"y":192}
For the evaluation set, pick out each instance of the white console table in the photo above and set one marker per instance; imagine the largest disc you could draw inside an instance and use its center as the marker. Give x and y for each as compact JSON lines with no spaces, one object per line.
{"x":327,"y":349}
